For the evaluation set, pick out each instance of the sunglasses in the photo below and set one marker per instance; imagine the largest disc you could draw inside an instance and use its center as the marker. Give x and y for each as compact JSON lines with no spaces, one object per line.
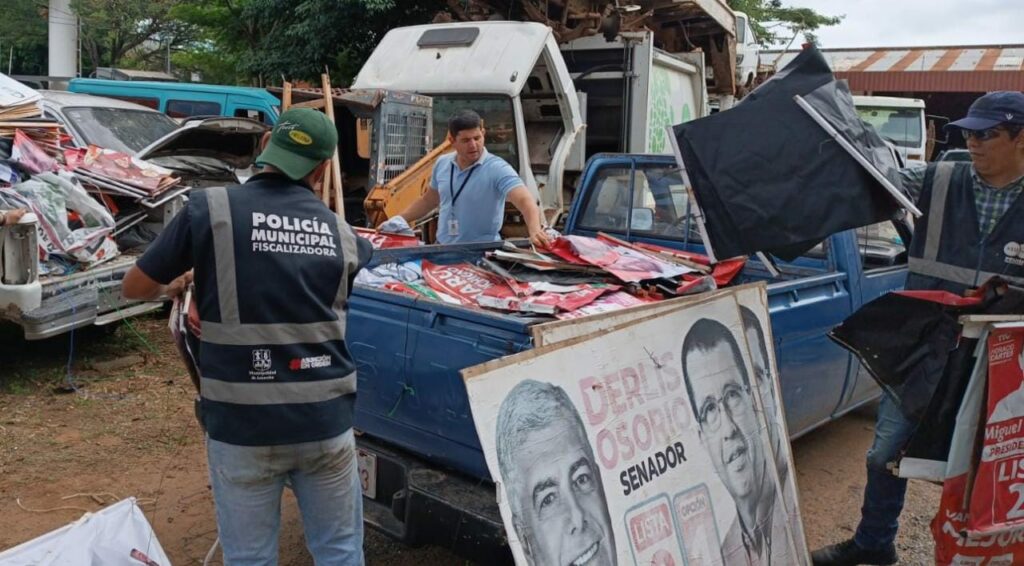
{"x":990,"y":133}
{"x":982,"y":135}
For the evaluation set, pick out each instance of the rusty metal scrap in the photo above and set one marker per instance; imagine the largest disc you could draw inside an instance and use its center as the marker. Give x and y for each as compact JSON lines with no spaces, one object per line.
{"x":678,"y":25}
{"x":568,"y":19}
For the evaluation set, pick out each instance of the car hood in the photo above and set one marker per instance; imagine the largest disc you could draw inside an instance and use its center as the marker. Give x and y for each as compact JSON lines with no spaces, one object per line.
{"x":235,"y":141}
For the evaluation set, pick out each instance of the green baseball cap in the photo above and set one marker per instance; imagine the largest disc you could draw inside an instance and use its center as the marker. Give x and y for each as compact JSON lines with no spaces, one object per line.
{"x":302,"y":139}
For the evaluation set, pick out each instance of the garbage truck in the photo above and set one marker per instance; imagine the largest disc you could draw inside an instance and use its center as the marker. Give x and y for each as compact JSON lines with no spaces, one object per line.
{"x":546,"y":106}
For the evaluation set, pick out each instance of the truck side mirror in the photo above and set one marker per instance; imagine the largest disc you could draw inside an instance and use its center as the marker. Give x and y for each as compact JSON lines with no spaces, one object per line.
{"x":641,"y":219}
{"x":939,"y":122}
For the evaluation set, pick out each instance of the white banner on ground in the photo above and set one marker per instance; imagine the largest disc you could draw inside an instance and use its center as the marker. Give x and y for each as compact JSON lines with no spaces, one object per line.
{"x":118,"y":535}
{"x":644,"y":444}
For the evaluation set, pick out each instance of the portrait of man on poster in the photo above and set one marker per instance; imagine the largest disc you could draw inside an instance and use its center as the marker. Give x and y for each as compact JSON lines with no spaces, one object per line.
{"x":721,"y":396}
{"x":551,"y":479}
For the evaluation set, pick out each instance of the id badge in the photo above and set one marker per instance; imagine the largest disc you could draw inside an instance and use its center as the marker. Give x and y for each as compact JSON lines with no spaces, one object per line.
{"x":453,"y":227}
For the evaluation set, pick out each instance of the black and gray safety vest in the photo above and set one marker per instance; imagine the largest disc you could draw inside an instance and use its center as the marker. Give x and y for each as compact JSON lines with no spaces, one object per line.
{"x":272,"y":267}
{"x":949,"y":251}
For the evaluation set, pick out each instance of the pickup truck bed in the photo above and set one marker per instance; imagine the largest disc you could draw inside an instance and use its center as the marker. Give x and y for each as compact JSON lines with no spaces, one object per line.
{"x":409,"y":353}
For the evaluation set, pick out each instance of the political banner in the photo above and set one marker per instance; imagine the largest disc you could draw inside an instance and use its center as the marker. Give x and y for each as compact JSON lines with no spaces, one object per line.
{"x":645,"y":443}
{"x":979,"y":518}
{"x":757,"y":329}
{"x":997,"y":501}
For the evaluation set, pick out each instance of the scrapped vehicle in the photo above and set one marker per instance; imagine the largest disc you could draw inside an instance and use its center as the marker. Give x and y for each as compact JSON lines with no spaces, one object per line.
{"x":208,"y":151}
{"x":106,"y":122}
{"x":213,"y":151}
{"x":186,"y":100}
{"x":547,"y":106}
{"x":898,"y":120}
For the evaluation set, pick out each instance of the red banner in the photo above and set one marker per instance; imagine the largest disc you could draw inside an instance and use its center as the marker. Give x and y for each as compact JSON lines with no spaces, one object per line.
{"x":384,"y":241}
{"x":981,"y":514}
{"x":997,"y":501}
{"x":460,"y":281}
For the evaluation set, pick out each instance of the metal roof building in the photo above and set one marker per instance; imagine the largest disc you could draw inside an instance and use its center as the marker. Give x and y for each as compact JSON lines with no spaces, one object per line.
{"x":975,"y":68}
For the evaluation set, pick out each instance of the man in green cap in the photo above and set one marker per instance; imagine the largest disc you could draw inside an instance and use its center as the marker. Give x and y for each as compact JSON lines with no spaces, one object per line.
{"x":273,"y":268}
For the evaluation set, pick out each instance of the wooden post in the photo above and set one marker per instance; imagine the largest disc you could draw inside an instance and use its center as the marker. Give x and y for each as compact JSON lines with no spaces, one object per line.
{"x":286,"y":96}
{"x":335,"y":176}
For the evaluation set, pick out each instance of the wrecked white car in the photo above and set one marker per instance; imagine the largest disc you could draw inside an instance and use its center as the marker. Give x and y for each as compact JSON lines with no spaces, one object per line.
{"x":49,"y":294}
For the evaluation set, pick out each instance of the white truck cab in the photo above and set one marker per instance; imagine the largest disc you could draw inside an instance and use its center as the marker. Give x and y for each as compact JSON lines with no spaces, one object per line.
{"x":900,"y":121}
{"x":511,"y":73}
{"x":748,"y":53}
{"x":536,"y":96}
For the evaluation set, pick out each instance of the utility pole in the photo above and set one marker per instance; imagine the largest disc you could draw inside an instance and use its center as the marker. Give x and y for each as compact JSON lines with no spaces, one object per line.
{"x":63,"y":39}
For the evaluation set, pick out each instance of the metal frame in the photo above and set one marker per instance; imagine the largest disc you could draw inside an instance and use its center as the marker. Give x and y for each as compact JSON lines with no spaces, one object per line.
{"x":867,"y":165}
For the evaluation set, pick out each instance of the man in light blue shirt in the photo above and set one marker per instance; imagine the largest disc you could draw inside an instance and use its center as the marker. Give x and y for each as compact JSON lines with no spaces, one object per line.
{"x":470,"y":186}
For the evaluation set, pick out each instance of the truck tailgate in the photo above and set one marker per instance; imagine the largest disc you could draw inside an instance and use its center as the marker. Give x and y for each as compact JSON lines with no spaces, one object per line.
{"x":408,"y":354}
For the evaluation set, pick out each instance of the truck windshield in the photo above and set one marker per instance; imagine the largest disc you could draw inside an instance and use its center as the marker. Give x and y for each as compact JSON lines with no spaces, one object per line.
{"x":901,"y":126}
{"x":499,"y":122}
{"x":119,"y":129}
{"x":658,"y":205}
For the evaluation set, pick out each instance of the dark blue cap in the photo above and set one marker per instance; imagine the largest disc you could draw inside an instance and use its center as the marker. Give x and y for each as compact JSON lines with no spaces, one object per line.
{"x":1001,"y":107}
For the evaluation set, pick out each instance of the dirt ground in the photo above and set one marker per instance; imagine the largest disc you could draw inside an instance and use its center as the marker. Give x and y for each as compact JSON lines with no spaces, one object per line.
{"x":120,"y":424}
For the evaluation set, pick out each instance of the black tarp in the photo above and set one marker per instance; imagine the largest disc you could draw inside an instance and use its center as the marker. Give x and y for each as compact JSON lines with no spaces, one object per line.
{"x":914,"y":349}
{"x":931,"y":441}
{"x":905,"y":344}
{"x":767,"y":177}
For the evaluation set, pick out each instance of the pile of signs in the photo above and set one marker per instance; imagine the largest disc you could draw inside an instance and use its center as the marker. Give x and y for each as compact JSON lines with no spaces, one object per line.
{"x":20,"y":113}
{"x":82,"y":198}
{"x":578,"y":276}
{"x":386,"y":241}
{"x":980,"y":519}
{"x":126,"y":185}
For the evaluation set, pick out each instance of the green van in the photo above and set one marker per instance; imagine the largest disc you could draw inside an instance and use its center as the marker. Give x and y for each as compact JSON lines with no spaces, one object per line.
{"x":185,"y":100}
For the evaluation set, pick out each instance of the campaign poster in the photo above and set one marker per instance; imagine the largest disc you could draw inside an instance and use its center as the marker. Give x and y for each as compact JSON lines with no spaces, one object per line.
{"x":997,"y":500}
{"x":645,"y":443}
{"x":757,"y":329}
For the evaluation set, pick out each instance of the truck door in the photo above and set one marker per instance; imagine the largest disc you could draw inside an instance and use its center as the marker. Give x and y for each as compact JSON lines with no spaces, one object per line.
{"x":813,"y":370}
{"x":883,"y":257}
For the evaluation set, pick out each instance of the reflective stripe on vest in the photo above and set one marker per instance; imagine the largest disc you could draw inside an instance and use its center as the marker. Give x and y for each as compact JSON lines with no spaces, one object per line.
{"x":937,"y":212}
{"x":955,"y":273}
{"x":231,"y":331}
{"x":264,"y":393}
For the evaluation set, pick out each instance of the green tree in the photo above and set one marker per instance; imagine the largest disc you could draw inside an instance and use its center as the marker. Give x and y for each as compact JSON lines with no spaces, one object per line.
{"x":23,"y":37}
{"x":296,"y":39}
{"x":786,"y":21}
{"x":139,"y":32}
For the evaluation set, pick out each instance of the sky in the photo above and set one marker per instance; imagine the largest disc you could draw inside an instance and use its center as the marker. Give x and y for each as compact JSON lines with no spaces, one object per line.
{"x":902,"y":23}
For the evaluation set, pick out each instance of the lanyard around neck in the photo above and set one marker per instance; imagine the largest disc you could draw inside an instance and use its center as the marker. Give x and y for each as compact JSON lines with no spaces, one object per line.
{"x":451,"y":182}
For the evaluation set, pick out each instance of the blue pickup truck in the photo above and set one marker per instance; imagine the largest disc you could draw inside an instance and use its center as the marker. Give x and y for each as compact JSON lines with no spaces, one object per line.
{"x":425,"y":478}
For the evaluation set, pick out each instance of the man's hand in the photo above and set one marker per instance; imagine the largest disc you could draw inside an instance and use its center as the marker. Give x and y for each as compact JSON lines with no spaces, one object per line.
{"x":522,"y":199}
{"x":138,"y":286}
{"x":396,"y":225}
{"x":11,"y":217}
{"x":539,"y":238}
{"x":178,"y":286}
